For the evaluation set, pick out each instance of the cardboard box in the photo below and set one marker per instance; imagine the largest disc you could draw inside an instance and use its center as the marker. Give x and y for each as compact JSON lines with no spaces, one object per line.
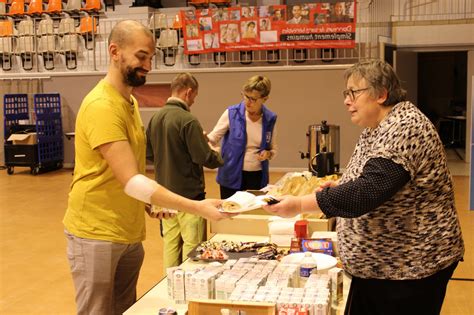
{"x":197,"y":307}
{"x":23,"y":138}
{"x":257,"y":224}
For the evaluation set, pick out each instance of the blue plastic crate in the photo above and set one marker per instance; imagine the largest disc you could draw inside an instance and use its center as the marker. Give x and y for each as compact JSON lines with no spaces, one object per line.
{"x":47,"y":106}
{"x":49,"y":127}
{"x":48,"y":153}
{"x":15,"y":108}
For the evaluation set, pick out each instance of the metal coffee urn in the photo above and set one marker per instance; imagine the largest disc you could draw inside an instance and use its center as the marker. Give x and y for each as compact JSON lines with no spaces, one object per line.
{"x":323,"y":149}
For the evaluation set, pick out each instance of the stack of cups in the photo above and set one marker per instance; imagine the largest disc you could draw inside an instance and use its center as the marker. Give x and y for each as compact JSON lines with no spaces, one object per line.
{"x":301,"y":232}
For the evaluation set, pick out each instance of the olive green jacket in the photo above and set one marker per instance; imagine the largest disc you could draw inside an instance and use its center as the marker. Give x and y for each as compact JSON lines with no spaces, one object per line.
{"x":179,"y":150}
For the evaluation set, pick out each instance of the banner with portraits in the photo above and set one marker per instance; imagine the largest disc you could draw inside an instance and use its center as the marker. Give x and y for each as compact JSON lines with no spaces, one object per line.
{"x":327,"y":24}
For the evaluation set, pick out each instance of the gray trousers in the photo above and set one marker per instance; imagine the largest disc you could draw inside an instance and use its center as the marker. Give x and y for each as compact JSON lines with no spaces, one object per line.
{"x":105,"y":274}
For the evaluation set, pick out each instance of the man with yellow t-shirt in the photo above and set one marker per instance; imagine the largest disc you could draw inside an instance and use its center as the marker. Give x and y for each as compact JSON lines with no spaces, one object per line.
{"x":104,"y":221}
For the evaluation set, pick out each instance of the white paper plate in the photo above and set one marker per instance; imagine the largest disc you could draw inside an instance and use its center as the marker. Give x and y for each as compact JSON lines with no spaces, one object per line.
{"x":259,"y":201}
{"x":324,"y":262}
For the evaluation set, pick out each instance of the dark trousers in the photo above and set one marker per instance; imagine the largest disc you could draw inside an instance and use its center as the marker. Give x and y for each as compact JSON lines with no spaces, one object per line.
{"x":250,"y":180}
{"x":399,"y":297}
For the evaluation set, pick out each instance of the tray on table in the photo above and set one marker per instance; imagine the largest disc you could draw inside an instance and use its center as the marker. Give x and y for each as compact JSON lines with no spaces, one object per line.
{"x":194,"y":254}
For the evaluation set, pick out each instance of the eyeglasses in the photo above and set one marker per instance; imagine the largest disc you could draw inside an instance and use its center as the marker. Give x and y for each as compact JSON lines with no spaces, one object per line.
{"x":352,"y":93}
{"x":250,"y":99}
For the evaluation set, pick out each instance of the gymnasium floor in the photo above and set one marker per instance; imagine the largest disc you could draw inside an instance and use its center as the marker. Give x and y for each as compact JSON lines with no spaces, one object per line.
{"x":34,"y":274}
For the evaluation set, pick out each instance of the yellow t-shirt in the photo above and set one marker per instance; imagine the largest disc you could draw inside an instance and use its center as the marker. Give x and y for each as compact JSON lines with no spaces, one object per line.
{"x":98,"y":208}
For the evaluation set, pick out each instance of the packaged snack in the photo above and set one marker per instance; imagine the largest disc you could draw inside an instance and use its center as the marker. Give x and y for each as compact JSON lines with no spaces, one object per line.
{"x":318,"y":245}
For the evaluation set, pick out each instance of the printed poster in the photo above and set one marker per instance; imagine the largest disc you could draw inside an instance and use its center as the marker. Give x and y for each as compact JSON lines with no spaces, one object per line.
{"x":312,"y":25}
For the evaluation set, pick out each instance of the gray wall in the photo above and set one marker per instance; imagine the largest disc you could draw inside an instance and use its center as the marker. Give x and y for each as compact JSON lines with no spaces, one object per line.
{"x":299,"y":97}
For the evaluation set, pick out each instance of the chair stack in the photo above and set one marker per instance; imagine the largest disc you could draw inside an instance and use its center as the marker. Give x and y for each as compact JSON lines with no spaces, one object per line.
{"x":69,"y":42}
{"x":47,"y":43}
{"x":168,"y":44}
{"x":47,"y":30}
{"x":26,"y":43}
{"x":6,"y":44}
{"x":167,"y":34}
{"x":88,"y":29}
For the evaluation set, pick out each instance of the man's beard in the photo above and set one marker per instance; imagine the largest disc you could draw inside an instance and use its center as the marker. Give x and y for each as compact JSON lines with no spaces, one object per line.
{"x":132,"y":78}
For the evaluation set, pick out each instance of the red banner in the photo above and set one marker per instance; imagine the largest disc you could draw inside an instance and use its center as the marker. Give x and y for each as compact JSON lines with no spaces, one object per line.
{"x":312,"y":25}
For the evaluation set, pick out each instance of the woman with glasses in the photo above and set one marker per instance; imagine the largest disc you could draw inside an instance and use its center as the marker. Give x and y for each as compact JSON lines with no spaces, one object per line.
{"x":248,"y":137}
{"x":398,"y":229}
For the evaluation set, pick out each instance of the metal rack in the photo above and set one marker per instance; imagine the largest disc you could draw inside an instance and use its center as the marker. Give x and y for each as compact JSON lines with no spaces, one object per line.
{"x":48,"y":151}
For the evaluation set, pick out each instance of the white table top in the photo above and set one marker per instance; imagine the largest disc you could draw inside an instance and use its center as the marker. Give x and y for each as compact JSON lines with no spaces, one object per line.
{"x":157,"y":297}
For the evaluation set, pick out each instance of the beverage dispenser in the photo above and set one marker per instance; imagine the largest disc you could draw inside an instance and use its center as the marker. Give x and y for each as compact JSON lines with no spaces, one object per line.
{"x":323,"y":149}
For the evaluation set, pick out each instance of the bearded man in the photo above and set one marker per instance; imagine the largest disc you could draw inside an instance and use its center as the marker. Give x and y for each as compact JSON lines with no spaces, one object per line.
{"x":105,"y":218}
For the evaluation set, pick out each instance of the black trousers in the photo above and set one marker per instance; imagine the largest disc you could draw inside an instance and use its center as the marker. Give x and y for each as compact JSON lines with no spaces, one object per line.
{"x":250,"y":180}
{"x":398,"y":297}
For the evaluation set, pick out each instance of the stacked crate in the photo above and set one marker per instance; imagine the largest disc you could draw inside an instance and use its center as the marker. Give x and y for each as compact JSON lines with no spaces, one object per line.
{"x":43,"y":149}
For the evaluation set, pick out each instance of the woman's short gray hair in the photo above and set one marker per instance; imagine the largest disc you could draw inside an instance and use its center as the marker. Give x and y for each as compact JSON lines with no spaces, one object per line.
{"x":380,"y":77}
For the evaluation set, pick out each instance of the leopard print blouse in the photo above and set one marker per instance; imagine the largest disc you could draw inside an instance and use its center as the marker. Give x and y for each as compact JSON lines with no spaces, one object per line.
{"x":416,"y":233}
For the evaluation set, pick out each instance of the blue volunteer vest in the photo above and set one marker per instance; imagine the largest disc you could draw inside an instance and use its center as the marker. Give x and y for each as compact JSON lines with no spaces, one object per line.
{"x":234,"y":143}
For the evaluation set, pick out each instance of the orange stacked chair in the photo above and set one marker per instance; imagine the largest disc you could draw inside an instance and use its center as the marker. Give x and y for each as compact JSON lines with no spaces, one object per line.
{"x":198,"y":2}
{"x":6,"y":28}
{"x":35,"y":7}
{"x":88,"y":29}
{"x":6,"y":44}
{"x":55,"y":6}
{"x":92,"y":6}
{"x":221,"y":2}
{"x":17,"y":7}
{"x":177,"y":24}
{"x":88,"y":25}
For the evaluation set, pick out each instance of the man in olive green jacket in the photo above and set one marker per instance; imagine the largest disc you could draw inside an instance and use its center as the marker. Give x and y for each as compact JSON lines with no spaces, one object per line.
{"x":179,"y":150}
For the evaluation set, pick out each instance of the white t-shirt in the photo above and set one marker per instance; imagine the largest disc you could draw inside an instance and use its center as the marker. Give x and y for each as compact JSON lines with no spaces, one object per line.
{"x":254,"y":139}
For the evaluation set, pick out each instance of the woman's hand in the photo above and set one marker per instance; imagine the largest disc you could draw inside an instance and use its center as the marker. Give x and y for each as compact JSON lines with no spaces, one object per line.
{"x":264,"y":155}
{"x":205,"y":135}
{"x":288,"y":207}
{"x":329,"y":183}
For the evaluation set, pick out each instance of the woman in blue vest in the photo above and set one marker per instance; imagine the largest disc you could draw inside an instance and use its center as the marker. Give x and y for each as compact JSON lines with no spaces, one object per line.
{"x":248,"y":143}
